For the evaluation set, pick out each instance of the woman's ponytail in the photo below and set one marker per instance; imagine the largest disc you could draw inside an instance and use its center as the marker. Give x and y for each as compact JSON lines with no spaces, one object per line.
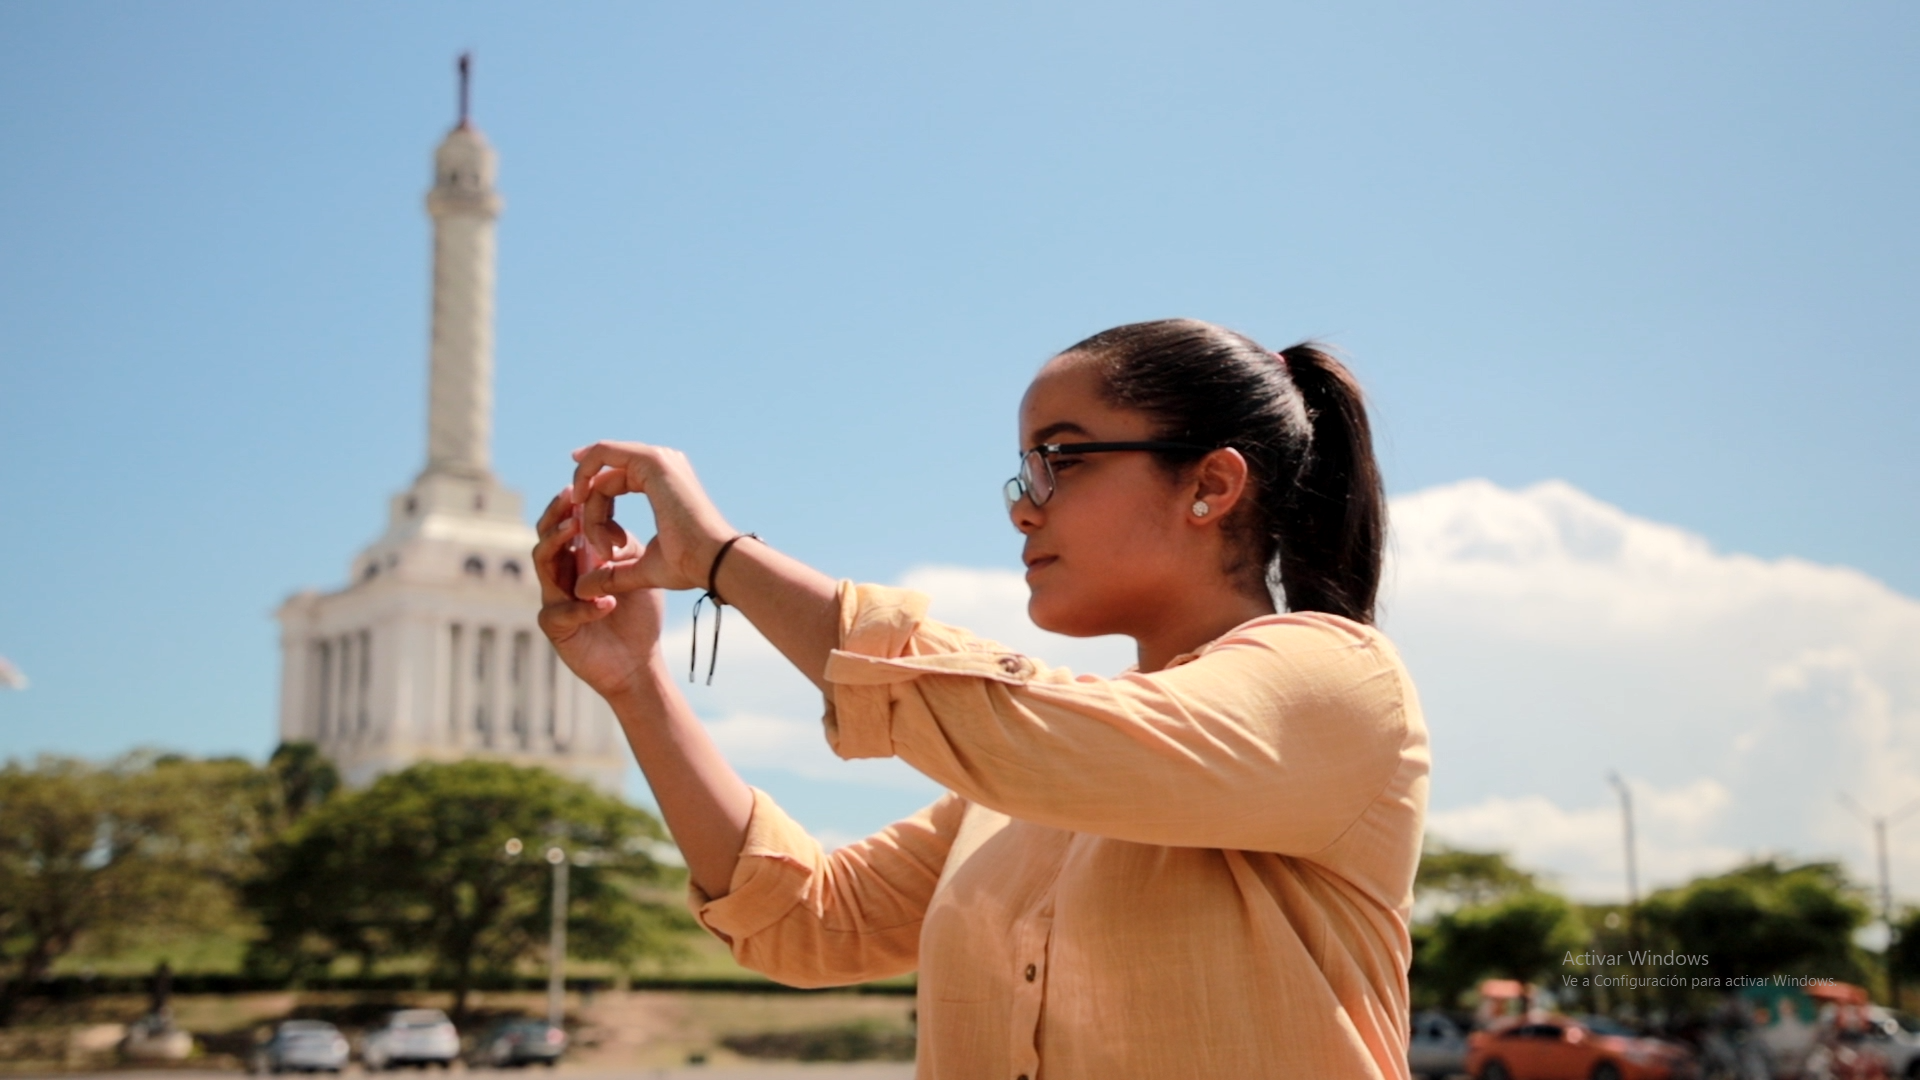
{"x":1333,"y":536}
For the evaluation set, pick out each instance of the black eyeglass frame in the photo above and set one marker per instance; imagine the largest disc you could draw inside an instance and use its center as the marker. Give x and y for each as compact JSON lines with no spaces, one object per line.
{"x":1022,"y":486}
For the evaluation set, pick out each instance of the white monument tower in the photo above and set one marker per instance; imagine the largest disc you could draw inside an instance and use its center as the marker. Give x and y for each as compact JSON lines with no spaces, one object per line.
{"x":431,"y":651}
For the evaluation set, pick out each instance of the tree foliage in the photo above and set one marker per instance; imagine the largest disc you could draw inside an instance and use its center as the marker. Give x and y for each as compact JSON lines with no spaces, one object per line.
{"x":1449,"y":878}
{"x":147,"y":841}
{"x":1905,"y":950}
{"x":416,"y":865}
{"x":1483,"y":917}
{"x":304,"y":778}
{"x":1763,"y":919}
{"x":1522,"y":934}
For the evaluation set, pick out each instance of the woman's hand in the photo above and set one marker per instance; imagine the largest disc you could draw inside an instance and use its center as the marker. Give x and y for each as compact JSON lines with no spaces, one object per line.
{"x":608,"y":641}
{"x":796,"y":607}
{"x":688,"y":528}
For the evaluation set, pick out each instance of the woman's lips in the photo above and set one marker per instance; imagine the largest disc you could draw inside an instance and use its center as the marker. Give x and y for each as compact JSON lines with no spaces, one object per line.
{"x":1042,"y":561}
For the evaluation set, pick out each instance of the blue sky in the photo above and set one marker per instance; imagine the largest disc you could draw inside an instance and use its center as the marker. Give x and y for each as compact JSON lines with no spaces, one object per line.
{"x":1666,"y":255}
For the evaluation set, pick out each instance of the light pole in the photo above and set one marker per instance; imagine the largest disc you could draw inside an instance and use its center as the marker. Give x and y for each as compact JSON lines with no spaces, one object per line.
{"x":1880,"y":825}
{"x":559,"y":859}
{"x":557,"y":928}
{"x":557,"y":941}
{"x":1633,"y":881}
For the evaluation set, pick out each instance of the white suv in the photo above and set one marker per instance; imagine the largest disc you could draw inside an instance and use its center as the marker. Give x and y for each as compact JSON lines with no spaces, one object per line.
{"x":418,"y":1037}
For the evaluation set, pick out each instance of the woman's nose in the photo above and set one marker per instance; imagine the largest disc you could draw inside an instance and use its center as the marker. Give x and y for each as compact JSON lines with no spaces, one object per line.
{"x":1026,"y":517}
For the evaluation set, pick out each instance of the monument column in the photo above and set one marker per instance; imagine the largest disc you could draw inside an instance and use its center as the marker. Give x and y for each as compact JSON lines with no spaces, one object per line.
{"x":464,"y":207}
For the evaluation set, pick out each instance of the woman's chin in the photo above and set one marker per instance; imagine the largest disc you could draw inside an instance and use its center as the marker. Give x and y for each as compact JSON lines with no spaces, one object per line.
{"x":1041,"y":609}
{"x":1050,"y":613}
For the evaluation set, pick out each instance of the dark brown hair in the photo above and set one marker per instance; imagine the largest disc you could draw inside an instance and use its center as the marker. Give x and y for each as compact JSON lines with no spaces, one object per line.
{"x":1315,"y":527}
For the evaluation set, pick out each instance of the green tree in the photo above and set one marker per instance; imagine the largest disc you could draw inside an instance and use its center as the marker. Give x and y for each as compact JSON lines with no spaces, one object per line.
{"x":1763,"y":919}
{"x":144,"y":842}
{"x":1455,"y":891}
{"x":1450,"y":877}
{"x":1523,"y":934}
{"x":305,"y":778}
{"x":1905,"y":952}
{"x":417,"y":866}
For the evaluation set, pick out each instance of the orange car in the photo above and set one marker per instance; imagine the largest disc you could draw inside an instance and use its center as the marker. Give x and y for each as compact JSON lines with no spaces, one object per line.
{"x":1561,"y":1048}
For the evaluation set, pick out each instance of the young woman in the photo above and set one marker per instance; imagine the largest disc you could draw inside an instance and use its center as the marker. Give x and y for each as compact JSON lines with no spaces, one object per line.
{"x":1199,"y":868}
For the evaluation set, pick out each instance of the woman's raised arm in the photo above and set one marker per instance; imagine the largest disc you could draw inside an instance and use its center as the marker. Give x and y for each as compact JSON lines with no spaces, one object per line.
{"x":613,"y":644}
{"x":793,"y":605}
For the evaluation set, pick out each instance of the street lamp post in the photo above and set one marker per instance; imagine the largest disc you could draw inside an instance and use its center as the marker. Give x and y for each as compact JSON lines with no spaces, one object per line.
{"x":1880,"y":825}
{"x":557,"y":928}
{"x":557,"y":940}
{"x":1633,"y":879}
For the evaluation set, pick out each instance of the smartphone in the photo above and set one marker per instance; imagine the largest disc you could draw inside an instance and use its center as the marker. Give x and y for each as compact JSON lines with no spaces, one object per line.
{"x":585,"y":558}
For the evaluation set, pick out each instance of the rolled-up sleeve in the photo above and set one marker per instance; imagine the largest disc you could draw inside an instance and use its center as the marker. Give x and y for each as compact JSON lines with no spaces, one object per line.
{"x":1277,"y":737}
{"x":809,"y":918}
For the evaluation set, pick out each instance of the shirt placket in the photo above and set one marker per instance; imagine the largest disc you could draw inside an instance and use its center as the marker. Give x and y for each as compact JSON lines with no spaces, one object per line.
{"x":1031,"y":939}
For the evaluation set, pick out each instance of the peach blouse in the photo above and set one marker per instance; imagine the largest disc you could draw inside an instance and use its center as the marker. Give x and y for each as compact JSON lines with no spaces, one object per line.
{"x":1204,"y":871}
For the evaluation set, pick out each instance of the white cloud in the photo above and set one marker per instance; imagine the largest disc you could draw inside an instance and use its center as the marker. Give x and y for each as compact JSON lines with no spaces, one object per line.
{"x":1554,"y":638}
{"x":1583,"y":850}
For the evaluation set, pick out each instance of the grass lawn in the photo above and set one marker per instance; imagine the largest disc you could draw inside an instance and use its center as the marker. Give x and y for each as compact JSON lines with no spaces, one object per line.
{"x":701,"y":957}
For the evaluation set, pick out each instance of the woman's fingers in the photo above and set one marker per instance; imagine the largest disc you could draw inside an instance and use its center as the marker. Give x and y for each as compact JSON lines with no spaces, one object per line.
{"x":562,"y":619}
{"x":628,"y":461}
{"x":553,"y":561}
{"x":560,"y":507}
{"x":628,"y":548}
{"x":608,"y":536}
{"x":625,"y":576}
{"x":688,"y":528}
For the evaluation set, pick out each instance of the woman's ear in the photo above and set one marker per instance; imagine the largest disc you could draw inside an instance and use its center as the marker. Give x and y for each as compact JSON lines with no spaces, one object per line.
{"x":1219,"y":483}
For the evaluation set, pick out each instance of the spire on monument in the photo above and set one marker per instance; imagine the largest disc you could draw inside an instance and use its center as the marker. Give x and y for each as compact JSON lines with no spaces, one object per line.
{"x":466,"y":79}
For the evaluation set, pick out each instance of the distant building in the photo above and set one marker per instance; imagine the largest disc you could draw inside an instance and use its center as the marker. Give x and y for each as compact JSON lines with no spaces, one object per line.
{"x":431,"y":651}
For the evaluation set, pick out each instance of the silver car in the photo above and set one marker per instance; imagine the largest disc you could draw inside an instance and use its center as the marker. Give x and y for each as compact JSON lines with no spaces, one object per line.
{"x":417,"y":1037}
{"x":303,"y":1046}
{"x":1437,"y":1047}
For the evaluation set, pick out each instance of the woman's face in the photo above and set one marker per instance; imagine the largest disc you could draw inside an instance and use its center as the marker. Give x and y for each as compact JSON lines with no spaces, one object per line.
{"x":1113,"y":540}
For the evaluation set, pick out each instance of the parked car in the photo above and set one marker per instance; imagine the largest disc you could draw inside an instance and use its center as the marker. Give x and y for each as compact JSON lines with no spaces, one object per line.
{"x":1438,"y":1047}
{"x":1896,"y":1036}
{"x":518,"y":1041}
{"x":1558,"y":1047}
{"x":417,"y":1037}
{"x":302,"y":1046}
{"x":1861,"y":1041}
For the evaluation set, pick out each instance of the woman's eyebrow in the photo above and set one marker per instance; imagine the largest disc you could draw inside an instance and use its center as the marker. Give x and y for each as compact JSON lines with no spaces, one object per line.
{"x":1065,"y":427}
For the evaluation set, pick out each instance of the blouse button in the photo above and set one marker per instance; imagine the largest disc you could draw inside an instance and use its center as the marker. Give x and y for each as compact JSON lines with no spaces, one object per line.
{"x":1031,"y":972}
{"x":1010,"y":665}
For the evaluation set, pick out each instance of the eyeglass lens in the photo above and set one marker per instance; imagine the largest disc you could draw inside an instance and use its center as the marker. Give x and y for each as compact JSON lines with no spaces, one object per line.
{"x":1035,"y":480}
{"x":1037,"y":471}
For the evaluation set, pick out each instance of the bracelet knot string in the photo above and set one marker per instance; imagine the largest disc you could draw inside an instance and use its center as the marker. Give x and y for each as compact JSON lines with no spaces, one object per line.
{"x":713,"y":594}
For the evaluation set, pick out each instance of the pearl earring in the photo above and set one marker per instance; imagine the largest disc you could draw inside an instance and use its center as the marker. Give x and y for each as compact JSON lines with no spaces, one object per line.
{"x":1200,"y":508}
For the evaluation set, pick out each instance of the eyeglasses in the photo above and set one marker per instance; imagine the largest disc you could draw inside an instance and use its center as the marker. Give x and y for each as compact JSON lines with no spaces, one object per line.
{"x":1036,"y":480}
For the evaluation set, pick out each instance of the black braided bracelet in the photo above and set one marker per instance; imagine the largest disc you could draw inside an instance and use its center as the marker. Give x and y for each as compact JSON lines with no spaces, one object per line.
{"x":713,"y":594}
